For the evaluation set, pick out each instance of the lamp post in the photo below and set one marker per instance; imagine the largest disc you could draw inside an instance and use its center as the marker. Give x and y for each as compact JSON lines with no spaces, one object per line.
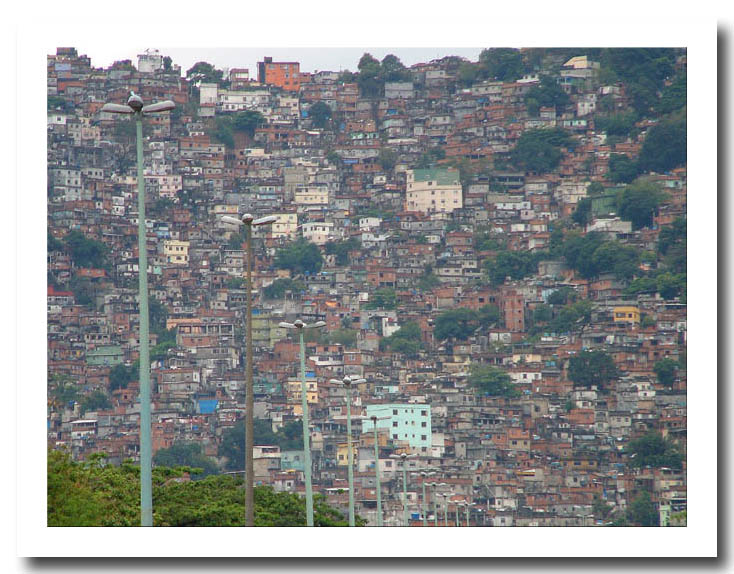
{"x":135,"y":106}
{"x":423,"y":474}
{"x":300,"y":326}
{"x":456,"y":508}
{"x":403,"y":456}
{"x":445,"y":507}
{"x":435,"y":500}
{"x":467,"y":505}
{"x":248,"y":221}
{"x":348,"y":382}
{"x":374,"y":420}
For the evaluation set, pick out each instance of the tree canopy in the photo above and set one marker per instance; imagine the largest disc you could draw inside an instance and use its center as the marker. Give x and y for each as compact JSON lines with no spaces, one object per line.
{"x":92,"y":493}
{"x":188,"y":454}
{"x":538,"y":150}
{"x":639,"y":201}
{"x":653,"y":450}
{"x":492,"y":381}
{"x":301,"y":256}
{"x":665,"y":146}
{"x":86,"y":252}
{"x":592,"y":368}
{"x":278,"y":288}
{"x":320,"y":114}
{"x":288,"y":437}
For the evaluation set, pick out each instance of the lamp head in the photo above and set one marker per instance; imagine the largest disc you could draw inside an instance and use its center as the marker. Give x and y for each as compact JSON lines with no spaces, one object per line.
{"x":135,"y":101}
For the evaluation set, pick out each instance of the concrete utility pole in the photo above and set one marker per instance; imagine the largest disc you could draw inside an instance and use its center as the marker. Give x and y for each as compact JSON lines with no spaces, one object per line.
{"x":135,"y":106}
{"x":248,"y":221}
{"x":300,"y":326}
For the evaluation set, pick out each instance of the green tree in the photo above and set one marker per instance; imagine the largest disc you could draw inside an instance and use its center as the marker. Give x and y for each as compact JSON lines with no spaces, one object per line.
{"x":665,"y":370}
{"x":562,"y":296}
{"x":92,"y":493}
{"x":571,"y":317}
{"x":53,"y":244}
{"x":642,"y":511}
{"x":346,"y":337}
{"x":468,"y":72}
{"x":188,"y":454}
{"x":513,"y":264}
{"x":665,"y":146}
{"x":393,"y":70}
{"x":582,"y":214}
{"x":406,"y":340}
{"x":368,"y":80}
{"x":621,"y":168}
{"x":383,"y":298}
{"x":617,"y":124}
{"x":204,"y":72}
{"x":277,"y":289}
{"x":95,"y":401}
{"x":674,"y":96}
{"x":232,"y":445}
{"x":492,"y":381}
{"x":121,"y":376}
{"x":592,"y":368}
{"x":247,"y":122}
{"x":538,"y":150}
{"x":548,"y":94}
{"x":387,"y":158}
{"x":320,"y":114}
{"x":639,"y":201}
{"x":671,"y":285}
{"x":86,"y":252}
{"x":301,"y":256}
{"x":459,"y":323}
{"x":653,"y":450}
{"x":488,"y":315}
{"x":503,"y":64}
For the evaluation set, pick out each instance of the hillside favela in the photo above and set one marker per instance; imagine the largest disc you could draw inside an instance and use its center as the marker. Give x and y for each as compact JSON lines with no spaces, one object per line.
{"x":449,"y":293}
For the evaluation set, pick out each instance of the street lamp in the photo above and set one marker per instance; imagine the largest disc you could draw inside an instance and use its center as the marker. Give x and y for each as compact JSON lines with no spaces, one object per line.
{"x":248,"y":221}
{"x":348,"y":381}
{"x":435,"y":500}
{"x":468,"y":505}
{"x":135,"y":106}
{"x":445,"y":507}
{"x":423,"y":474}
{"x":403,"y":457}
{"x":374,"y":420}
{"x":300,"y":326}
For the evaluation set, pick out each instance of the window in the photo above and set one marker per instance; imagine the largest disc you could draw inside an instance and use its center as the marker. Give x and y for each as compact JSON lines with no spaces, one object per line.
{"x":395,"y":436}
{"x":424,"y":437}
{"x":424,"y":413}
{"x":395,"y":411}
{"x":424,"y":424}
{"x":395,"y":423}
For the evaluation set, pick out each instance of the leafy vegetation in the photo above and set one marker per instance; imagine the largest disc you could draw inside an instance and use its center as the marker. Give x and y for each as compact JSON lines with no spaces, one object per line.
{"x":539,"y":150}
{"x":288,"y":437}
{"x":94,"y":494}
{"x":664,"y":147}
{"x":665,"y":370}
{"x":548,"y":94}
{"x":86,"y":252}
{"x":187,"y":454}
{"x":277,"y":289}
{"x":341,"y":249}
{"x":301,"y":256}
{"x":653,"y":450}
{"x":461,"y":322}
{"x":592,"y":368}
{"x":383,"y":298}
{"x":492,"y":381}
{"x":639,"y":201}
{"x":406,"y":340}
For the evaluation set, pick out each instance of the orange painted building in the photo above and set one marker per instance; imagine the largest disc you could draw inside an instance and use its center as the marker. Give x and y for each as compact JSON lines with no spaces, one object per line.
{"x":286,"y":75}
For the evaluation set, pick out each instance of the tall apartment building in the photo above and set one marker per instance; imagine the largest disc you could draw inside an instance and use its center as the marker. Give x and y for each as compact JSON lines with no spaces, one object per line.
{"x":286,"y":75}
{"x":409,"y":422}
{"x":433,"y":190}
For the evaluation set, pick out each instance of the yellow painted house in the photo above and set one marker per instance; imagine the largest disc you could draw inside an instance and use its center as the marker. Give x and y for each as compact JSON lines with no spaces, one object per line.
{"x":627,"y":315}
